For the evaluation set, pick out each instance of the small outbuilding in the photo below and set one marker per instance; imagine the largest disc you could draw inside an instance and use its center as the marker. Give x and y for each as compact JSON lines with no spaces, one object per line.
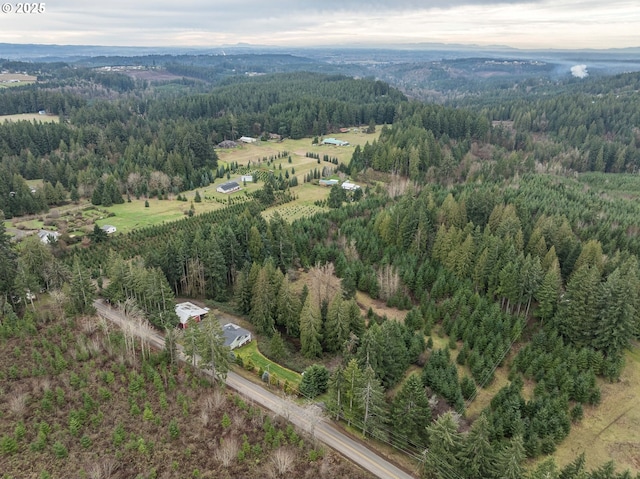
{"x":235,"y":336}
{"x":187,"y":311}
{"x":228,"y":187}
{"x":109,"y":229}
{"x":247,"y":139}
{"x":246,"y":178}
{"x":328,"y":182}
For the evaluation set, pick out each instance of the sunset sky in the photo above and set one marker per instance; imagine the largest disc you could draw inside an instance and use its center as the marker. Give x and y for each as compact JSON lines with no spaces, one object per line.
{"x":558,"y":24}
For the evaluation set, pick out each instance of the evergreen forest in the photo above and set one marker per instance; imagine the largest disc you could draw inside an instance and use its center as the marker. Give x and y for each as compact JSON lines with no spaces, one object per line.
{"x":499,"y":226}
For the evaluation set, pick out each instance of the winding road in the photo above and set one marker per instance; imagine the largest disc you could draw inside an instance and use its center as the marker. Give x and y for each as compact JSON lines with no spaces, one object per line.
{"x":308,"y":419}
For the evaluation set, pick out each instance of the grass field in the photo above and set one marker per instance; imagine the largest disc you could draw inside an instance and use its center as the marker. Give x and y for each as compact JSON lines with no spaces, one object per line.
{"x":129,"y":216}
{"x":30,"y":117}
{"x":8,"y":80}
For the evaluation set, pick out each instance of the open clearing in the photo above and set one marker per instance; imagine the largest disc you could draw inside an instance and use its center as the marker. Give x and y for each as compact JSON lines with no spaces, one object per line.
{"x":15,"y":79}
{"x":129,"y":216}
{"x":609,"y":431}
{"x":30,"y":117}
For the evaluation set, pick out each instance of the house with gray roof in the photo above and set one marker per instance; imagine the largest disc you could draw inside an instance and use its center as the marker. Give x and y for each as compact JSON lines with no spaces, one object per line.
{"x":235,"y":336}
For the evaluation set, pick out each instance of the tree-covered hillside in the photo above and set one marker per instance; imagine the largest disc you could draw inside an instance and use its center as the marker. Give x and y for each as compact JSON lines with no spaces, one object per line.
{"x":498,"y":230}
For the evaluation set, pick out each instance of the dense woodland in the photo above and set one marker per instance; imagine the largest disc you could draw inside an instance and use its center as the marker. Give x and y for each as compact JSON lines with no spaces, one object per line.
{"x":466,"y":229}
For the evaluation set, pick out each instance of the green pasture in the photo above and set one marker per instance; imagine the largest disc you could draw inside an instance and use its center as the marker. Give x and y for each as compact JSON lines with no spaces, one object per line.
{"x":34,"y":224}
{"x":250,"y":352}
{"x":30,"y":117}
{"x":129,"y":216}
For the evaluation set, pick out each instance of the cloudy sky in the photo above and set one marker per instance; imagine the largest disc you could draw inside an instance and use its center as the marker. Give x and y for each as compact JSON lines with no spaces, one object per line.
{"x":557,"y":24}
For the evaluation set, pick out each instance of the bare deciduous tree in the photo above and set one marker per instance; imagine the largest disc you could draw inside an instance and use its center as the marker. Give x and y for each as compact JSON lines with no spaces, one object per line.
{"x":18,"y":403}
{"x":389,"y":281}
{"x":324,"y":283}
{"x":281,"y":462}
{"x":103,"y":470}
{"x":227,"y":451}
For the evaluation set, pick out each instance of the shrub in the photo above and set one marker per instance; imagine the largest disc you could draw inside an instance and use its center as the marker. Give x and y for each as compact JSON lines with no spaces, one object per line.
{"x":174,"y":431}
{"x":8,"y":445}
{"x":60,"y":450}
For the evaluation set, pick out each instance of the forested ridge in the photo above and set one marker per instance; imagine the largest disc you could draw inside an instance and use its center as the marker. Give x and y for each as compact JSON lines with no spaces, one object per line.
{"x":463,"y":224}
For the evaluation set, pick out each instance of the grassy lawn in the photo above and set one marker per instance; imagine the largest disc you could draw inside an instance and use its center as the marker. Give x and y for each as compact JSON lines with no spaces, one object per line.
{"x":129,"y":216}
{"x":250,"y":351}
{"x":31,"y":225}
{"x":8,"y":80}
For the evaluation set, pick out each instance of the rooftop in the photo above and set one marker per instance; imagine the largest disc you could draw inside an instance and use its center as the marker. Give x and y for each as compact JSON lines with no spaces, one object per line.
{"x":188,"y":310}
{"x":229,"y":185}
{"x":231,"y":332}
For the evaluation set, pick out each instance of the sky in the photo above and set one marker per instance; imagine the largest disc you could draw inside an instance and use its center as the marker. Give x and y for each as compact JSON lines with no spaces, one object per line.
{"x":537,"y":24}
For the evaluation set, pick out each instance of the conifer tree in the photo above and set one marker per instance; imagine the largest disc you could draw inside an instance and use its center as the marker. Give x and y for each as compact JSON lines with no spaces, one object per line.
{"x":617,"y":310}
{"x":510,"y":460}
{"x":288,"y":309}
{"x":337,"y":326}
{"x":261,"y":304}
{"x":82,"y":291}
{"x":411,"y":414}
{"x":477,"y":456}
{"x":310,"y":329}
{"x":549,"y":292}
{"x":213,"y":353}
{"x":373,"y":405}
{"x":445,"y":444}
{"x":577,"y":312}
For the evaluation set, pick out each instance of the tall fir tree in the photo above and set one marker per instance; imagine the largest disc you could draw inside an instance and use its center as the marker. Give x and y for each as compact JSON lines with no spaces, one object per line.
{"x":310,"y":329}
{"x":82,"y":291}
{"x":373,"y":405}
{"x":288,"y":309}
{"x":410,"y":415}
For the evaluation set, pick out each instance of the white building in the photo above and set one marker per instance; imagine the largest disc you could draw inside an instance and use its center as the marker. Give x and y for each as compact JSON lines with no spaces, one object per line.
{"x":246,"y":178}
{"x":109,"y":229}
{"x":247,"y":139}
{"x":187,"y":311}
{"x":228,"y":187}
{"x":347,"y":185}
{"x":47,"y":237}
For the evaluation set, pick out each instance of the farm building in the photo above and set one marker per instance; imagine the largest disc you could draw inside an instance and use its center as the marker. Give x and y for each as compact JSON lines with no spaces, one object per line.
{"x":328,"y":182}
{"x":347,"y":185}
{"x":335,"y":142}
{"x":235,"y":336}
{"x":247,"y":139}
{"x":109,"y":229}
{"x":246,"y":178}
{"x":47,"y":237}
{"x":228,"y":187}
{"x":187,"y":311}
